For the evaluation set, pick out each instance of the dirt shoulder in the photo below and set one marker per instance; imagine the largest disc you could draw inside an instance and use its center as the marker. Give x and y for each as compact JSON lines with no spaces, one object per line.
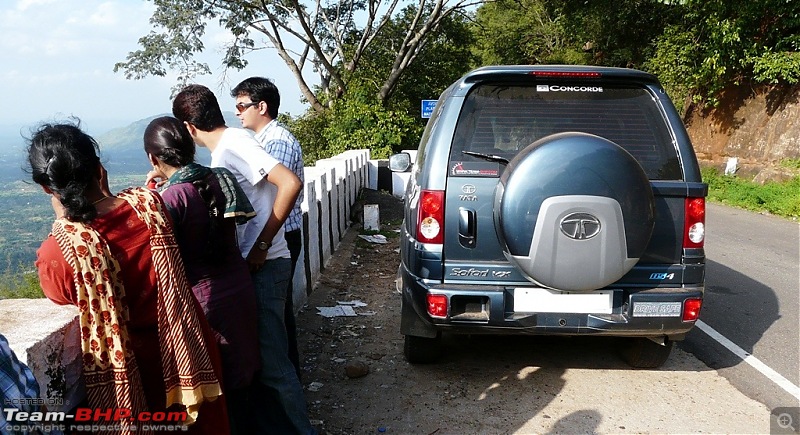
{"x":486,"y":384}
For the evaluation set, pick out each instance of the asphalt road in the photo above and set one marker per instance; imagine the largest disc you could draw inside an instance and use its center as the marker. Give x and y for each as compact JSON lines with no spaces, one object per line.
{"x":524,"y":384}
{"x":752,"y":287}
{"x":546,"y":384}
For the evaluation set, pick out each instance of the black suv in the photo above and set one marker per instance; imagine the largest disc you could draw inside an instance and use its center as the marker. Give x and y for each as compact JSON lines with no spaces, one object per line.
{"x":553,"y":200}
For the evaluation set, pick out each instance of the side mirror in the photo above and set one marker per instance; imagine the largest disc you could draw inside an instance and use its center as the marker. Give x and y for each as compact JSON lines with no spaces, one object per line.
{"x":400,"y":162}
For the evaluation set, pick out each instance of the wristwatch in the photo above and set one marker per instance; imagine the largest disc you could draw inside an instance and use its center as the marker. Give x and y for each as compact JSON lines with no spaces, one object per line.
{"x":264,"y":246}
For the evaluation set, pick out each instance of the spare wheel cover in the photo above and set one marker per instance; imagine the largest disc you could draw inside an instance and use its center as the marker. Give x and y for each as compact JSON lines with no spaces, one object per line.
{"x":574,"y":211}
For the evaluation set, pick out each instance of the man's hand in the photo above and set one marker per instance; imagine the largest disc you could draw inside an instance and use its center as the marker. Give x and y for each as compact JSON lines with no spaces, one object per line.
{"x":256,"y":259}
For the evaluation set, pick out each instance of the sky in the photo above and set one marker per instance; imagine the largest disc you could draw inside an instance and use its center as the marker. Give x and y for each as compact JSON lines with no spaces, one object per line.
{"x":57,"y":60}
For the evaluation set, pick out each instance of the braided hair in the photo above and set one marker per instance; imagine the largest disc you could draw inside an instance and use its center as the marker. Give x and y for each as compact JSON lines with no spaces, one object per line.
{"x":65,"y":159}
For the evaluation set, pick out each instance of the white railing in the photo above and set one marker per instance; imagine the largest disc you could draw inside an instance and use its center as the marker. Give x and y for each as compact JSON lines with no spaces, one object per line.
{"x":46,"y":336}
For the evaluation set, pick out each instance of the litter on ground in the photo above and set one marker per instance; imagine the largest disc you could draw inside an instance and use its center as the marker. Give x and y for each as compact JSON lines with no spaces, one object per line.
{"x":337,"y":311}
{"x":356,"y":303}
{"x":377,"y":238}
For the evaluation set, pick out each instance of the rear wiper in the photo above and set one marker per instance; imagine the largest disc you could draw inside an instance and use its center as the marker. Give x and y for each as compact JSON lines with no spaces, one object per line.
{"x":489,"y":157}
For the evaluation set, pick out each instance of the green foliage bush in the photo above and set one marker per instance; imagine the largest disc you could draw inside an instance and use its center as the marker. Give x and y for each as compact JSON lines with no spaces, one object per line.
{"x":791,"y":163}
{"x":309,"y":130}
{"x":771,"y":67}
{"x":782,"y":199}
{"x":717,"y":44}
{"x":673,"y":62}
{"x":697,"y":48}
{"x":353,"y":124}
{"x":522,"y":32}
{"x":357,"y":124}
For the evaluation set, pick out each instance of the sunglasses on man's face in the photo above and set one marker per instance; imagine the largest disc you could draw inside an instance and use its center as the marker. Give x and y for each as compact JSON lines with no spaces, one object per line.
{"x":241,"y":107}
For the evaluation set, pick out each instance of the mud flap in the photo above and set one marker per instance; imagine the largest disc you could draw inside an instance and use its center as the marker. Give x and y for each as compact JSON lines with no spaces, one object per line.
{"x":412,"y":324}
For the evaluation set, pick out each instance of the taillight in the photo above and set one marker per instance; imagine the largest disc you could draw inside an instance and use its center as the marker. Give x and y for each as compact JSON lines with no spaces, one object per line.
{"x":430,"y":223}
{"x":691,"y":309}
{"x":437,"y":305}
{"x":694,"y":223}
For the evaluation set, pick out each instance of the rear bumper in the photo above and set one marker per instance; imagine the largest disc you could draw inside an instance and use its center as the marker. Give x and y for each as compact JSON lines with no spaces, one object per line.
{"x":488,"y":309}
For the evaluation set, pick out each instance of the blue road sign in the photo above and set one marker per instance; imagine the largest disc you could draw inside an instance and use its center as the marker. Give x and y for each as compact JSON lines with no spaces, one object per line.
{"x":427,"y":108}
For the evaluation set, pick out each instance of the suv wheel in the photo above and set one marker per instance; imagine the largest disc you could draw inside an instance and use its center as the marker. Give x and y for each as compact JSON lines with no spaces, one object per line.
{"x":422,"y":350}
{"x":644,"y":353}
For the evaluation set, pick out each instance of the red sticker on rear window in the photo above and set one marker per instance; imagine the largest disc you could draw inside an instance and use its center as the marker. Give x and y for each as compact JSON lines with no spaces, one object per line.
{"x":468,"y":169}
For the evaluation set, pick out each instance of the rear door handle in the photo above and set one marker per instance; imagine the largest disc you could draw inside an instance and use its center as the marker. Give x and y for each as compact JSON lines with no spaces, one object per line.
{"x":467,"y":227}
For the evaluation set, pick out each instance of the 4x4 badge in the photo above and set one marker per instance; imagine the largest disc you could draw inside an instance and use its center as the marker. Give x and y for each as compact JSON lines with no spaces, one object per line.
{"x":580,"y":226}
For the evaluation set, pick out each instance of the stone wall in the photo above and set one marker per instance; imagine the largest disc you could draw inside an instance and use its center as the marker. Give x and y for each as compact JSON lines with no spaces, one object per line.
{"x":46,"y":336}
{"x":759,"y":127}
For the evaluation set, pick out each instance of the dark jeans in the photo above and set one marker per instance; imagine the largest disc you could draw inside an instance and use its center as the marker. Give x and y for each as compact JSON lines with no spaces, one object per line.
{"x":295,"y":241}
{"x":280,"y":404}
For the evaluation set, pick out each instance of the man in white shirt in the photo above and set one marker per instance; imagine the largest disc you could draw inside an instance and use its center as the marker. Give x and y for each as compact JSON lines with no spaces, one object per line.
{"x":259,"y":100}
{"x":272,"y":190}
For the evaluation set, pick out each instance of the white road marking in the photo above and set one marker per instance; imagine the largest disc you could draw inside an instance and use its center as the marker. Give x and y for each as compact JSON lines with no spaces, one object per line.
{"x":771,"y":374}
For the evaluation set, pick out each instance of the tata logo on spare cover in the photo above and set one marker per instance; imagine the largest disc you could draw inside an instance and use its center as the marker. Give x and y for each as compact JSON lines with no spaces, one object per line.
{"x":580,"y":226}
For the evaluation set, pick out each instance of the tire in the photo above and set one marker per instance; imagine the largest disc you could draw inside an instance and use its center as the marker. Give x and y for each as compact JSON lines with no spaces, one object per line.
{"x":422,"y":350}
{"x":643,"y":353}
{"x":574,"y":211}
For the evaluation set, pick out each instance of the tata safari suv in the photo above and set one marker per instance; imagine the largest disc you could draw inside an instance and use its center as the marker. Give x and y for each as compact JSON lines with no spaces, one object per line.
{"x":553,"y":200}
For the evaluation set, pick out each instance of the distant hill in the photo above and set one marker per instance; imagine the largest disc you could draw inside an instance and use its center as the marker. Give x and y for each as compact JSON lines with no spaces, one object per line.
{"x":123,"y":152}
{"x":121,"y":149}
{"x":124,"y":137}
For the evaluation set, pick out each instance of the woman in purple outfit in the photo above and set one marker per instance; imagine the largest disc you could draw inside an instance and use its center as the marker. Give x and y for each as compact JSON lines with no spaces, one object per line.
{"x":206,"y":204}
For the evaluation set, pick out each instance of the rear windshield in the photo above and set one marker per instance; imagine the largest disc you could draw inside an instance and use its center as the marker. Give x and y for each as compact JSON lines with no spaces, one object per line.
{"x":504,"y":119}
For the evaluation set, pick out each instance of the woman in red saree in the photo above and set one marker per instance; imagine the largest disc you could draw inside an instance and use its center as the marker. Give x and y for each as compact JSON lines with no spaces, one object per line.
{"x":146,"y":345}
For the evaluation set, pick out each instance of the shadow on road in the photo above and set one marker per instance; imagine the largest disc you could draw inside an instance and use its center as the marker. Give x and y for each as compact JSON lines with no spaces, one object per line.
{"x":527,"y":382}
{"x":742,"y":311}
{"x":584,"y":421}
{"x":591,"y":352}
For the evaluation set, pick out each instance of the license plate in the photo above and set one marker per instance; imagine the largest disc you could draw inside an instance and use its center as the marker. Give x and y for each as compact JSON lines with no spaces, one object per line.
{"x":541,"y":300}
{"x":657,"y":309}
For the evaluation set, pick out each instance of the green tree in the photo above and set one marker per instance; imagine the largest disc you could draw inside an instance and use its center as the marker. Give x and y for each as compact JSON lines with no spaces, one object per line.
{"x":520,"y":32}
{"x":444,"y":57}
{"x":697,"y":48}
{"x":334,"y":38}
{"x":360,"y":119}
{"x":719,"y":43}
{"x":614,"y":32}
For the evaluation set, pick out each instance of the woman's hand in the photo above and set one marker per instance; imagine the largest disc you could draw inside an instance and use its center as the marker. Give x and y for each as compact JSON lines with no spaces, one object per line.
{"x":155,"y":179}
